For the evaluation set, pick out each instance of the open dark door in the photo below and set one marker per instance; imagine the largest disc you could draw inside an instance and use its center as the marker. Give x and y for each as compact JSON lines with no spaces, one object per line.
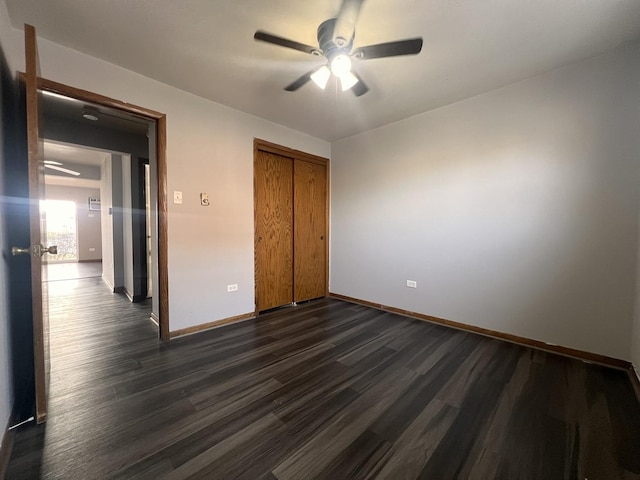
{"x":37,"y":226}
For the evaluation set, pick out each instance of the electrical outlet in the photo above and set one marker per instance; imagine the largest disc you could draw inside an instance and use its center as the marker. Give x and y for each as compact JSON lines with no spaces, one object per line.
{"x":232,"y":288}
{"x":92,"y":249}
{"x":204,"y":199}
{"x":177,"y":197}
{"x":412,"y":284}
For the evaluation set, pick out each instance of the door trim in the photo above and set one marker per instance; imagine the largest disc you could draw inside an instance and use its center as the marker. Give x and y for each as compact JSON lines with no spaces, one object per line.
{"x":161,"y":160}
{"x":34,"y":153}
{"x":269,"y":147}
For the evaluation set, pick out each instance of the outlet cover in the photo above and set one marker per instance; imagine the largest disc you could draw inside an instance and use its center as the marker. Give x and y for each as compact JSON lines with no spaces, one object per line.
{"x":177,"y":197}
{"x":232,"y":288}
{"x":412,"y":284}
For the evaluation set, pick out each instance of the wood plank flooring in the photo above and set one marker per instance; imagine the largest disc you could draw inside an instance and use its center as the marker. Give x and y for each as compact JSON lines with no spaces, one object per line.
{"x":73,"y":270}
{"x":327,"y":390}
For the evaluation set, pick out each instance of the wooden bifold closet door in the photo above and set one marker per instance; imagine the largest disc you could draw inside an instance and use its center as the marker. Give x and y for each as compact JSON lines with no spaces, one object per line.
{"x":309,"y":205}
{"x":290,"y":194}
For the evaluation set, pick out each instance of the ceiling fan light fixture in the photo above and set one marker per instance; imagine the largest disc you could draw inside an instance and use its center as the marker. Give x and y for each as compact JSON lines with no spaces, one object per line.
{"x":348,"y":80}
{"x":341,"y":65}
{"x":336,"y":37}
{"x":321,"y":76}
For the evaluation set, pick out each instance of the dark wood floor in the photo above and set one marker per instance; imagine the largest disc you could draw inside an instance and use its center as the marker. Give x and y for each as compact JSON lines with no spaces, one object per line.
{"x":324,"y":390}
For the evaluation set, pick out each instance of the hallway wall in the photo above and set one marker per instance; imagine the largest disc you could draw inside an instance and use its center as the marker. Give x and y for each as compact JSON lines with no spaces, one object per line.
{"x":88,"y":222}
{"x":6,"y":384}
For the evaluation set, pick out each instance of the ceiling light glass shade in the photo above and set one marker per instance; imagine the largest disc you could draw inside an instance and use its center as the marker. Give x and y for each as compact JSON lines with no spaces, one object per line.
{"x":90,"y":114}
{"x":63,"y":170}
{"x":348,"y":80}
{"x":341,"y":65}
{"x":321,"y":77}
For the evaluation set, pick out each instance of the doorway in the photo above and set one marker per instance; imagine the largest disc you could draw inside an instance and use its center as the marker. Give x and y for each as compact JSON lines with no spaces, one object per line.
{"x":157,"y":183}
{"x":33,"y":88}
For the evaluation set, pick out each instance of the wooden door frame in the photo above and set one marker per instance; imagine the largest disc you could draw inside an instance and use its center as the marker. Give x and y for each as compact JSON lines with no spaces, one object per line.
{"x":269,"y":147}
{"x":161,"y":165}
{"x":39,"y":312}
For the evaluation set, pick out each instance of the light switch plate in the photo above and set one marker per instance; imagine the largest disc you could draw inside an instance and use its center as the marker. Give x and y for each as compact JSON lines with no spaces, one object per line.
{"x":177,"y":197}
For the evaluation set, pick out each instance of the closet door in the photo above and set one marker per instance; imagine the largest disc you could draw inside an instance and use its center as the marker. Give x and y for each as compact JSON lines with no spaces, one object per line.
{"x":273,"y":184}
{"x":310,"y":230}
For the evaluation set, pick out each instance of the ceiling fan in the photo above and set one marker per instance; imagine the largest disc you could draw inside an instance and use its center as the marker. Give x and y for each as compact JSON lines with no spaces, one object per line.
{"x":58,"y":167}
{"x":335,"y":40}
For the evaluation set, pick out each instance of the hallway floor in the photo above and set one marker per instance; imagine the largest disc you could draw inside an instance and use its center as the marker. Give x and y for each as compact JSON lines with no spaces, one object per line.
{"x":73,"y":270}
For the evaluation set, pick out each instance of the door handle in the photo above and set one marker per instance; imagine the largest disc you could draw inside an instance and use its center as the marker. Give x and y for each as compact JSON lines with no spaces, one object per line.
{"x":35,"y":250}
{"x":53,"y":250}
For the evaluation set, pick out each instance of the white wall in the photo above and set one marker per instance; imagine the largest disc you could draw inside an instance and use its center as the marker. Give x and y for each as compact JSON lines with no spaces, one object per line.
{"x":635,"y":334}
{"x":127,"y":225}
{"x":116,"y":220}
{"x":106,"y":221}
{"x":112,"y":223}
{"x":209,"y":149}
{"x":6,"y":387}
{"x":516,"y":210}
{"x":88,"y":222}
{"x":8,"y":38}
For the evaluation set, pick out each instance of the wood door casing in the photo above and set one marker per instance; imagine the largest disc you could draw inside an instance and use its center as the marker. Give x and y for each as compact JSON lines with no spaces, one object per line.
{"x":38,"y":230}
{"x":273,"y":185}
{"x":310,"y":200}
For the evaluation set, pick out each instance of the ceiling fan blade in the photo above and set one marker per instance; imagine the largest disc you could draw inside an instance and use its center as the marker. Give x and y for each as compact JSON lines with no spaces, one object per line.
{"x":345,"y":26}
{"x":359,"y":88}
{"x":299,"y":82}
{"x":284,"y":42}
{"x":411,"y":46}
{"x":63,"y":170}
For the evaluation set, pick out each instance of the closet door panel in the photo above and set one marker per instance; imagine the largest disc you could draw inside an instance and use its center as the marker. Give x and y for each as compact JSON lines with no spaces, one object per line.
{"x":273,"y":185}
{"x":310,"y":230}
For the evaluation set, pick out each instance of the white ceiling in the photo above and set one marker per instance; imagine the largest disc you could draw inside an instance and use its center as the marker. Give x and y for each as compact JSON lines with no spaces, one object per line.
{"x":73,"y":154}
{"x":69,"y":156}
{"x":206,"y":47}
{"x":71,"y":182}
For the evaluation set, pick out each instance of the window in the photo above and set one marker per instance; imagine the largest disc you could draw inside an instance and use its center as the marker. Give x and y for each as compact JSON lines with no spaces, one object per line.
{"x":61,"y":229}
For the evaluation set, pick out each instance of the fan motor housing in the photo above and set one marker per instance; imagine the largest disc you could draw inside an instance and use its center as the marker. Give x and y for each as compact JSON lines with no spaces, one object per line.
{"x":326,"y":43}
